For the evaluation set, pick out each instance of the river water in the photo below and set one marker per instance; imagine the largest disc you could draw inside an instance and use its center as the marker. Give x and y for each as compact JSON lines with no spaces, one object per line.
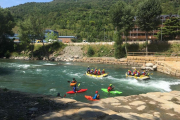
{"x":49,"y":78}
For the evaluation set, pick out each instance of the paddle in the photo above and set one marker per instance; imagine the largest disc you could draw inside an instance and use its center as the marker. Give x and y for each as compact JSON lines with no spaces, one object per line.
{"x":70,"y":81}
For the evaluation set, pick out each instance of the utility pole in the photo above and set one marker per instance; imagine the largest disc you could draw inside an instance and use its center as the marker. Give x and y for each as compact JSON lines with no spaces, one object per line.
{"x":104,"y":34}
{"x":161,"y":27}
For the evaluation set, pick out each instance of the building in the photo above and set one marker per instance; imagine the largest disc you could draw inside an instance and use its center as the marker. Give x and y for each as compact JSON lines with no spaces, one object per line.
{"x":66,"y":39}
{"x":49,"y":31}
{"x":137,"y":34}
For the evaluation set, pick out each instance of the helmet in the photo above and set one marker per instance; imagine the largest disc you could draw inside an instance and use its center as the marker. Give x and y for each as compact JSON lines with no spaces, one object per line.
{"x":88,"y":66}
{"x":138,"y":70}
{"x":135,"y":69}
{"x":73,"y":78}
{"x":103,"y":69}
{"x":110,"y":84}
{"x":128,"y":70}
{"x":91,"y":69}
{"x":96,"y":91}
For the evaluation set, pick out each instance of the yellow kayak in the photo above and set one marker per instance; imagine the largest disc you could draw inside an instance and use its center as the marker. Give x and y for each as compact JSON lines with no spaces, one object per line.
{"x":92,"y":75}
{"x":142,"y":77}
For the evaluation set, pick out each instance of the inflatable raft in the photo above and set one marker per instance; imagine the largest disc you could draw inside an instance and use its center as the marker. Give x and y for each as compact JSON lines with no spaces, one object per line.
{"x":142,"y":77}
{"x":98,"y":76}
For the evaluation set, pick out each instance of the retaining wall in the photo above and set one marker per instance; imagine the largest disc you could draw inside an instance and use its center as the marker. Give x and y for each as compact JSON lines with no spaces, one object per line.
{"x":167,"y":65}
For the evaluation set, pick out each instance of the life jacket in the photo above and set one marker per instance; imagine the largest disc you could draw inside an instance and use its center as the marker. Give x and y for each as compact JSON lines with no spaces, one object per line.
{"x":109,"y":88}
{"x":91,"y":72}
{"x":95,"y":72}
{"x":98,"y":96}
{"x":134,"y":73}
{"x":103,"y":72}
{"x":138,"y":73}
{"x":144,"y":73}
{"x":73,"y":81}
{"x":129,"y":72}
{"x":99,"y":72}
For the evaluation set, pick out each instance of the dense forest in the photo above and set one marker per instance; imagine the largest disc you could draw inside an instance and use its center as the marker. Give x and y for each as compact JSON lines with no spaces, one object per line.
{"x":86,"y":19}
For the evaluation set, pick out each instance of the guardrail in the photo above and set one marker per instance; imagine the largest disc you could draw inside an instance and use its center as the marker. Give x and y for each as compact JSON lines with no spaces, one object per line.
{"x":150,"y":54}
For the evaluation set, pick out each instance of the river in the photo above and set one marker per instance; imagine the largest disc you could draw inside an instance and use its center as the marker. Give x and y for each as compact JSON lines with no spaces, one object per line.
{"x":49,"y":78}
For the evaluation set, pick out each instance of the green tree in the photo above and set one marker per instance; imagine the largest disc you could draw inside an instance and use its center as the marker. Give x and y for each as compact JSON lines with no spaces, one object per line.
{"x":170,"y":29}
{"x":6,"y":25}
{"x":122,"y":18}
{"x":148,"y":16}
{"x":51,"y":36}
{"x":119,"y":53}
{"x":31,"y":29}
{"x":116,"y":15}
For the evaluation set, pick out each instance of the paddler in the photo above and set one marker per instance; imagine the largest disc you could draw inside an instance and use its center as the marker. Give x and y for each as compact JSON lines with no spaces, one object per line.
{"x":110,"y":88}
{"x":91,"y":71}
{"x":135,"y":71}
{"x":133,"y":74}
{"x":95,"y":72}
{"x":138,"y":74}
{"x":99,"y":72}
{"x":75,"y":88}
{"x":74,"y":80}
{"x":129,"y":72}
{"x":88,"y":70}
{"x":144,"y":72}
{"x":96,"y":96}
{"x":103,"y":71}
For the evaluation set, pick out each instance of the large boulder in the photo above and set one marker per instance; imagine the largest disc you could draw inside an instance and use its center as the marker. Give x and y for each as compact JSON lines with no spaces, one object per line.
{"x":149,"y":65}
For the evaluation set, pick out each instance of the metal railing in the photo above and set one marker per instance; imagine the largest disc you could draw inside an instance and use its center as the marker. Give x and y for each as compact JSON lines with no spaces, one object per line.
{"x":150,"y":54}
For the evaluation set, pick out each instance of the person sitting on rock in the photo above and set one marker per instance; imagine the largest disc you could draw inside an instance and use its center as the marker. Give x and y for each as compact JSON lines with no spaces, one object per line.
{"x":144,"y":72}
{"x":91,"y":71}
{"x":99,"y":72}
{"x":88,"y":70}
{"x":110,"y":88}
{"x":95,"y":72}
{"x":74,"y":80}
{"x":96,"y":96}
{"x":129,"y":72}
{"x":103,"y":71}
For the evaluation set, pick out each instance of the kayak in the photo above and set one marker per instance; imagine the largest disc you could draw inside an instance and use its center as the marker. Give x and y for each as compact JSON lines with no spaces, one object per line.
{"x":142,"y":77}
{"x":91,"y":98}
{"x":92,"y":75}
{"x":79,"y":91}
{"x":113,"y":91}
{"x":72,"y":84}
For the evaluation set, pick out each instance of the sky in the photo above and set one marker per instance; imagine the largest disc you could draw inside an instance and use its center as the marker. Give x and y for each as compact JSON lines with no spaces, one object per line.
{"x":10,"y":3}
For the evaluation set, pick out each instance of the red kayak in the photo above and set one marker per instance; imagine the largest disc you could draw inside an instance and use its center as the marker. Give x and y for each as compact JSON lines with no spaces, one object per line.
{"x":79,"y":91}
{"x":90,"y":98}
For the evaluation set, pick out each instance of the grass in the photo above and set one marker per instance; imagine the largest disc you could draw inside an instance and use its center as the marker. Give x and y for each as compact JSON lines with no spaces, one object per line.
{"x":100,"y":50}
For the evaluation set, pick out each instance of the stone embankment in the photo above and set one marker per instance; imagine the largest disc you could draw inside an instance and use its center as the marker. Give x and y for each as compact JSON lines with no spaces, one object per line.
{"x":150,"y":106}
{"x":167,"y":65}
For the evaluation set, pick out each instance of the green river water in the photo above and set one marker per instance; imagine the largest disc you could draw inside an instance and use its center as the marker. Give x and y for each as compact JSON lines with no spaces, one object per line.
{"x":49,"y":78}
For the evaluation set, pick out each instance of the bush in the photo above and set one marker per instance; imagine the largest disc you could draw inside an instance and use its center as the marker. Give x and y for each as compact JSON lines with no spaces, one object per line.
{"x":7,"y":54}
{"x":90,"y":52}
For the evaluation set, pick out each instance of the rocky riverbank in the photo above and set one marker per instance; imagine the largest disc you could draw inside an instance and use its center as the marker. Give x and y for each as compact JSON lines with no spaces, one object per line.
{"x":150,"y":106}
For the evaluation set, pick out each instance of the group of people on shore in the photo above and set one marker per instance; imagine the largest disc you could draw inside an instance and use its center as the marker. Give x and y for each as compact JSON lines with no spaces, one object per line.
{"x":95,"y":71}
{"x":137,"y":73}
{"x":96,"y":96}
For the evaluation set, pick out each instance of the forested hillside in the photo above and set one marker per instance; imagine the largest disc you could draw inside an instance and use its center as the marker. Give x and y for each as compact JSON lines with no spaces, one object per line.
{"x":86,"y":19}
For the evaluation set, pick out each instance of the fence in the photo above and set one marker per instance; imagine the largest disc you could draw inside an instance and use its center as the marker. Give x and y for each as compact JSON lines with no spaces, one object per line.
{"x":152,"y":54}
